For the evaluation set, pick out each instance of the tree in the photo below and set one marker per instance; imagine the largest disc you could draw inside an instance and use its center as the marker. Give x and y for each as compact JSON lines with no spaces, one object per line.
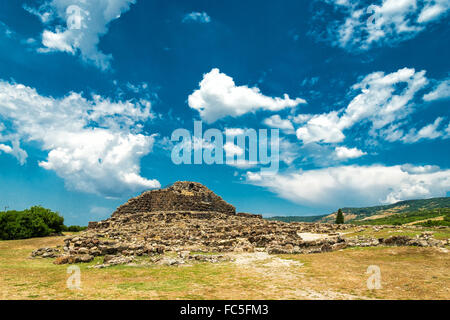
{"x":52,"y":219}
{"x":30,"y":223}
{"x":339,"y":217}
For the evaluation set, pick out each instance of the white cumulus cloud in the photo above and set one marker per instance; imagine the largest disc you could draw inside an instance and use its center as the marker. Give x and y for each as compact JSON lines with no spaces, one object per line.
{"x":5,"y":148}
{"x":275,"y":121}
{"x":382,"y":100}
{"x":355,"y":185}
{"x":348,"y":153}
{"x":94,"y":145}
{"x":322,"y":128}
{"x":82,"y":23}
{"x":231,"y":149}
{"x":219,"y":97}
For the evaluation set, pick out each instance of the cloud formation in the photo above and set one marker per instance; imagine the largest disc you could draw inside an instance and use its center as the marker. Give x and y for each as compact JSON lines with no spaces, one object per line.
{"x":427,"y":132}
{"x":200,"y":17}
{"x":219,"y":97}
{"x":344,"y":153}
{"x":441,"y":91}
{"x":83,"y":23}
{"x":287,"y":151}
{"x":356,"y":185}
{"x":275,"y":121}
{"x":367,"y":23}
{"x":94,"y":145}
{"x":5,"y":148}
{"x":383,"y":100}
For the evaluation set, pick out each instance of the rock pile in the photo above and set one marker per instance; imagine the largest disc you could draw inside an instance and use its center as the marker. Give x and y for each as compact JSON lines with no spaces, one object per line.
{"x":188,"y":217}
{"x":46,"y":253}
{"x":157,"y":232}
{"x":425,"y":239}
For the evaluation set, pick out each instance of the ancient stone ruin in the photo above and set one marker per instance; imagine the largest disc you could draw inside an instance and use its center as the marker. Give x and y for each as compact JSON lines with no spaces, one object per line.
{"x":187,"y":219}
{"x":181,"y":196}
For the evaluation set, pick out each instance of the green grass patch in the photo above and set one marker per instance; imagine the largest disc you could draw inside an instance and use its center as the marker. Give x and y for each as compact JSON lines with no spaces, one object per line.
{"x":440,"y":234}
{"x":409,"y":217}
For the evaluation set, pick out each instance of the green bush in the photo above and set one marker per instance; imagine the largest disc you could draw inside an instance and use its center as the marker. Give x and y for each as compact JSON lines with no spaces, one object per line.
{"x":74,"y":228}
{"x":52,"y":219}
{"x":34,"y":222}
{"x":434,"y":223}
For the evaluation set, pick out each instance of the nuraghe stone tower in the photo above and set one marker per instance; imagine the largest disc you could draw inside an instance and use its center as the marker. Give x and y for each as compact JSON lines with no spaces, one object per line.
{"x":185,"y":217}
{"x":181,"y":196}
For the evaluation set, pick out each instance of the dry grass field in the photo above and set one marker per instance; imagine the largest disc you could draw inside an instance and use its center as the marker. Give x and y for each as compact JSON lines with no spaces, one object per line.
{"x":406,"y":273}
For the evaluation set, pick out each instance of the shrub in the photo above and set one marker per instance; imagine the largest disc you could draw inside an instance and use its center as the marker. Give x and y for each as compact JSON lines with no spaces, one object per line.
{"x":74,"y":228}
{"x":434,"y":223}
{"x":52,"y":219}
{"x":33,"y":222}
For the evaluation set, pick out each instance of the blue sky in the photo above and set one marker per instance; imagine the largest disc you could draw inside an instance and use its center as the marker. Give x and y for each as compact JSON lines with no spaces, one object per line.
{"x":88,"y":106}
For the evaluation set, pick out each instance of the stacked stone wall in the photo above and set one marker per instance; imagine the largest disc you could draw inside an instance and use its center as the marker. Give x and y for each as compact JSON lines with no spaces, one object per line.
{"x":181,"y":196}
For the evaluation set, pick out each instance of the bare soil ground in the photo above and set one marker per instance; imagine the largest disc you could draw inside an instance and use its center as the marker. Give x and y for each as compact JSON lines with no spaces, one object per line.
{"x":406,"y":273}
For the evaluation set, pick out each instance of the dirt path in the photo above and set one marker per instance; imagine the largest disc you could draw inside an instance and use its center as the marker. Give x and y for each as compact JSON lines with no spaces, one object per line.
{"x":286,"y":277}
{"x":306,"y":236}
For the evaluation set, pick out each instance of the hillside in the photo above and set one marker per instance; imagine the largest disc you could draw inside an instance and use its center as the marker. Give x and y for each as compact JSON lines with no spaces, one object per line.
{"x":298,"y":218}
{"x":427,"y":218}
{"x":366,"y":214}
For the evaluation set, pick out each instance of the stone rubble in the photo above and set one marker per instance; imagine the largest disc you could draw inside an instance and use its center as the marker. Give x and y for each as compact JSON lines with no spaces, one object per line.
{"x":112,"y":260}
{"x":46,"y":253}
{"x":145,"y":226}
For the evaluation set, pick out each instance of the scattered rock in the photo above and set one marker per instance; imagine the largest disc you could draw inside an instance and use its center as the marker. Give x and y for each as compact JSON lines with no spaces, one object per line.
{"x":188,"y":217}
{"x":46,"y":253}
{"x":168,"y":261}
{"x":71,"y":259}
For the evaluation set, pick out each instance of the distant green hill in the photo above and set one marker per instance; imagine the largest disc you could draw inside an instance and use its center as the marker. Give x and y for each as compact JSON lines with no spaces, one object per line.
{"x":408,"y":206}
{"x":421,"y":209}
{"x":433,"y":217}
